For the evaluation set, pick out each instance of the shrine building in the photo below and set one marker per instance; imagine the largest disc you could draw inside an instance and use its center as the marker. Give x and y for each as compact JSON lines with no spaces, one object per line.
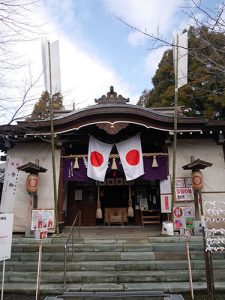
{"x":116,"y":200}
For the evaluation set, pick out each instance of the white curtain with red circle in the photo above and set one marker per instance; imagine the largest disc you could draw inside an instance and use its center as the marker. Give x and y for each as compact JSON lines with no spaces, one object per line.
{"x":98,"y":158}
{"x":130,"y":153}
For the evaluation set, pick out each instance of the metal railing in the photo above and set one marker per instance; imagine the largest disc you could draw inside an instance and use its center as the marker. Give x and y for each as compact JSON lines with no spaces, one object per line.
{"x":71,"y":233}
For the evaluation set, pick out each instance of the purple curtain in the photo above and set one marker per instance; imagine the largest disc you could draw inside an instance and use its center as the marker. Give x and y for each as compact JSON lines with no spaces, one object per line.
{"x":159,"y":173}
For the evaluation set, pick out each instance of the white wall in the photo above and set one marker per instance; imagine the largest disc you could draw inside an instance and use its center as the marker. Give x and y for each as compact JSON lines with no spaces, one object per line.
{"x":22,"y":205}
{"x":214,"y":176}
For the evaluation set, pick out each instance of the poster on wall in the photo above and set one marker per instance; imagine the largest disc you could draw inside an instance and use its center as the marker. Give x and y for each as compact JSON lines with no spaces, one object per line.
{"x":184,"y":194}
{"x":183,"y":217}
{"x":6,"y":227}
{"x":179,"y":223}
{"x":180,"y":182}
{"x":42,"y":218}
{"x":143,"y":204}
{"x":166,"y":201}
{"x":183,"y":211}
{"x":165,"y":185}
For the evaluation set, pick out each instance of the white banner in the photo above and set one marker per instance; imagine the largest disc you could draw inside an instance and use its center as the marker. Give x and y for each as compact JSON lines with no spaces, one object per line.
{"x":53,"y":48}
{"x":181,"y":58}
{"x":130,"y":153}
{"x":98,"y":159}
{"x":10,"y":184}
{"x":6,"y":226}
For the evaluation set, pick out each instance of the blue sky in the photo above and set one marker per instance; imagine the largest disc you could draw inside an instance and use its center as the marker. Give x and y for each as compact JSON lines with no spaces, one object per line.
{"x":97,"y":50}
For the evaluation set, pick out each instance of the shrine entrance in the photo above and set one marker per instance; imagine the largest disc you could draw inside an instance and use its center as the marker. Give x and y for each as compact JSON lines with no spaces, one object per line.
{"x":114,"y":203}
{"x":114,"y":196}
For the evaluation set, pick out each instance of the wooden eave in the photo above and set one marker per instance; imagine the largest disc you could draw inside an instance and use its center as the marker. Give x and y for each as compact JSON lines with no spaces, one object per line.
{"x":114,"y":113}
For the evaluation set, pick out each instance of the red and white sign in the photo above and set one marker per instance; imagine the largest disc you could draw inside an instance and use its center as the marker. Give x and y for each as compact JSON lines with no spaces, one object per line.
{"x":178,"y":212}
{"x":98,"y":157}
{"x":42,"y":219}
{"x":6,"y":227}
{"x":184,"y":194}
{"x":166,"y":201}
{"x":41,"y":234}
{"x":130,"y":153}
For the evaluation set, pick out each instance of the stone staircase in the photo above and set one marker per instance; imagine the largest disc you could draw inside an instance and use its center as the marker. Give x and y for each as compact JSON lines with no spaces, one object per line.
{"x":110,"y":264}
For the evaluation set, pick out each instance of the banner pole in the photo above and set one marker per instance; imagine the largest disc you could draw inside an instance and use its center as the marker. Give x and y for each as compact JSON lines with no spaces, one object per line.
{"x":175,"y":127}
{"x":3,"y":279}
{"x":55,"y":196}
{"x":39,"y":271}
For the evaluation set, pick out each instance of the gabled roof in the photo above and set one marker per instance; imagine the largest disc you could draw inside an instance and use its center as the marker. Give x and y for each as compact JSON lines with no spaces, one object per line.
{"x":110,"y":109}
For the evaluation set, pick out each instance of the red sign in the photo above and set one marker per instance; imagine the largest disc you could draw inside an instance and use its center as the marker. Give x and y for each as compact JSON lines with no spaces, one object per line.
{"x":184,"y":194}
{"x":178,"y":212}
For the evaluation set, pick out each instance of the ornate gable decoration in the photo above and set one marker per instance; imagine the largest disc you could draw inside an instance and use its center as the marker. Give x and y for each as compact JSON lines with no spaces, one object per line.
{"x":112,"y":129}
{"x":112,"y":98}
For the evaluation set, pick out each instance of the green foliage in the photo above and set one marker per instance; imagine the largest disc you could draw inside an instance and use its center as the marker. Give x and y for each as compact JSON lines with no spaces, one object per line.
{"x":41,"y":109}
{"x":205,"y":92}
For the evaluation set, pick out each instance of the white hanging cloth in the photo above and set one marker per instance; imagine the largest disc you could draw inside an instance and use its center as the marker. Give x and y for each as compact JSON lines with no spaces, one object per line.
{"x":130,"y":153}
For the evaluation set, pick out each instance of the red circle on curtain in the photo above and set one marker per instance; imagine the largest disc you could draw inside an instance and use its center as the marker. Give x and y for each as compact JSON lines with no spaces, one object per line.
{"x":96,"y":158}
{"x":133,"y":157}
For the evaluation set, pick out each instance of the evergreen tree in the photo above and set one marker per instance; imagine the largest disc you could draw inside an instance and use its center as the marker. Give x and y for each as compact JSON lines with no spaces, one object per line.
{"x":41,"y":109}
{"x":205,"y":92}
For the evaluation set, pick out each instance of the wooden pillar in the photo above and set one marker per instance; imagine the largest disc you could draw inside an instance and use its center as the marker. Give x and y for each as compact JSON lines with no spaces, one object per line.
{"x":61,"y":188}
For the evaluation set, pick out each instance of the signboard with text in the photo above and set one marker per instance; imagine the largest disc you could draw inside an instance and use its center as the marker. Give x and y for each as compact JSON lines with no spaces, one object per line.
{"x":184,"y":194}
{"x":166,"y":201}
{"x":41,"y":234}
{"x":6,"y":227}
{"x":42,"y":218}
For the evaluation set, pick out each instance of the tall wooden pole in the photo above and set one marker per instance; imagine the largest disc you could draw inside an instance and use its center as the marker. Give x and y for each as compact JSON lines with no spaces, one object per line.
{"x":53,"y":144}
{"x":175,"y":124}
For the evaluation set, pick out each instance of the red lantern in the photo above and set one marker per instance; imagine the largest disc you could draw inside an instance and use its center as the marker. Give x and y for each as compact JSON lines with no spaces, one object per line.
{"x":197,"y":180}
{"x":32,"y":183}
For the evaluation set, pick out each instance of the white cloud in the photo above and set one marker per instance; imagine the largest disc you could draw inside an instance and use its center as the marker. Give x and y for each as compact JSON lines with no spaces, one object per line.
{"x":87,"y":76}
{"x":147,"y":15}
{"x":152,"y":61}
{"x":84,"y":75}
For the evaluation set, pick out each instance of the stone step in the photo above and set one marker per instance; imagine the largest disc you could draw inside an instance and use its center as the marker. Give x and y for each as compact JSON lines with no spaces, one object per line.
{"x":124,"y":263}
{"x":58,"y":289}
{"x":82,"y":277}
{"x":112,"y":255}
{"x":61,"y":239}
{"x":82,"y":248}
{"x":31,"y":266}
{"x":126,"y":247}
{"x":86,"y":256}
